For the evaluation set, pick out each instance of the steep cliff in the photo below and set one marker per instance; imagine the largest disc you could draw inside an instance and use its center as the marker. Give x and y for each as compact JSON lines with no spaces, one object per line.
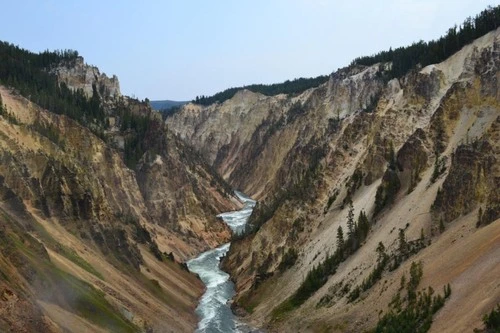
{"x":409,"y":152}
{"x":78,"y":75}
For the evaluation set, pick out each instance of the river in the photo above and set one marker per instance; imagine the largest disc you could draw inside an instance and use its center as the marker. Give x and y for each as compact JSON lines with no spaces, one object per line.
{"x":213,"y":310}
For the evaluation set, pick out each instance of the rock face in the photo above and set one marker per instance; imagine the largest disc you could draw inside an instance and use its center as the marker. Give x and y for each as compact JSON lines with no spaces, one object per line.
{"x":408,"y":152}
{"x":266,"y":131}
{"x":182,"y":195}
{"x":78,"y":75}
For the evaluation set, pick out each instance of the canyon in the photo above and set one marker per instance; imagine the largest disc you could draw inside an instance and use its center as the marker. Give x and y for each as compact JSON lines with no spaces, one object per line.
{"x":417,"y":153}
{"x":359,"y":183}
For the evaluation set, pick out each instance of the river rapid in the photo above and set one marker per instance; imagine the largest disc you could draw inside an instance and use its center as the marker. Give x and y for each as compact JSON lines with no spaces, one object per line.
{"x":213,"y":310}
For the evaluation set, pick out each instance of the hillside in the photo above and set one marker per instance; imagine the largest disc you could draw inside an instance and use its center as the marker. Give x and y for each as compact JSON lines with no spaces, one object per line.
{"x":100,"y":205}
{"x":417,"y":154}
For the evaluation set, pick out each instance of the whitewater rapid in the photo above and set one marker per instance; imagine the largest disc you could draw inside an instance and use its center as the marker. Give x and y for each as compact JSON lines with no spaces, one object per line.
{"x":213,"y":310}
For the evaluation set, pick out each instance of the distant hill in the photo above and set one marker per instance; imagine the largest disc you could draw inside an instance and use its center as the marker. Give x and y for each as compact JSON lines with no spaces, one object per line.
{"x":165,"y":104}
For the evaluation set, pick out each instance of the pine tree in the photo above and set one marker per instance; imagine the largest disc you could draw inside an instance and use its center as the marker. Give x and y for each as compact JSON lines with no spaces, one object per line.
{"x":403,"y":282}
{"x":350,"y":221}
{"x":363,"y":226}
{"x":340,"y":240}
{"x":381,"y":255}
{"x":403,"y":245}
{"x":447,"y":291}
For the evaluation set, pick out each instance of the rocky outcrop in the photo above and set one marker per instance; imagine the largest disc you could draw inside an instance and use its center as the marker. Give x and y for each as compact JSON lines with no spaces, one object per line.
{"x":76,"y":74}
{"x":183,"y":195}
{"x":471,"y":181}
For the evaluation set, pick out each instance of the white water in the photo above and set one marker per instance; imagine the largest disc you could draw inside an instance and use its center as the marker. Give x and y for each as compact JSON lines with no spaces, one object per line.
{"x":214,"y":311}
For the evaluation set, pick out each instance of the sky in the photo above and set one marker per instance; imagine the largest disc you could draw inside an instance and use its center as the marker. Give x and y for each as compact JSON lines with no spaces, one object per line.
{"x":179,"y":49}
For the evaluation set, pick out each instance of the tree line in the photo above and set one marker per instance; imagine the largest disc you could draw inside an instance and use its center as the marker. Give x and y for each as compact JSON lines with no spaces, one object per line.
{"x":288,"y":87}
{"x":425,"y":53}
{"x":402,"y":58}
{"x":28,"y":73}
{"x":347,"y":244}
{"x":414,"y":311}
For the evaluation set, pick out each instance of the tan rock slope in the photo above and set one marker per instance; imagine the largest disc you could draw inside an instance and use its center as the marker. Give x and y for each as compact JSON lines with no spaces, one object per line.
{"x":417,"y":154}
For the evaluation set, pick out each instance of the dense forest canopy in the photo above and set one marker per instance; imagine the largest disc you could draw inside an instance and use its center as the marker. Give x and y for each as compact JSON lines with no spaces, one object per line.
{"x":425,"y":53}
{"x":28,"y":72}
{"x":403,"y":58}
{"x":288,"y":87}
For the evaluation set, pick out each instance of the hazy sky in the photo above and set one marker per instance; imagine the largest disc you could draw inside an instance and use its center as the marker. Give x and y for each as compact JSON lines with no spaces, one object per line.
{"x":179,"y":49}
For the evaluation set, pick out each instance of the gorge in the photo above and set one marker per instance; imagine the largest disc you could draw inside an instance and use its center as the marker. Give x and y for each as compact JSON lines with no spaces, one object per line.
{"x":213,"y":310}
{"x":371,"y":202}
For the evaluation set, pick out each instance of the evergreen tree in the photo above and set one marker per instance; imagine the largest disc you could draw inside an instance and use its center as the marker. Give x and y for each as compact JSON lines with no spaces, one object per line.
{"x":381,"y":255}
{"x":403,"y":245}
{"x":340,"y":240}
{"x":350,"y":221}
{"x":289,"y":87}
{"x":404,"y":59}
{"x":492,"y":320}
{"x":363,"y":226}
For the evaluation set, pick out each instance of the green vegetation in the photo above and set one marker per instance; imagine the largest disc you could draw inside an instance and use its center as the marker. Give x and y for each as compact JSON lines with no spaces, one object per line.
{"x":375,"y":275}
{"x":295,"y":111}
{"x":442,"y":227}
{"x":439,"y":168}
{"x":406,"y":248}
{"x":403,"y":59}
{"x":288,"y":260}
{"x":31,"y":260}
{"x":388,"y":261}
{"x":491,"y":321}
{"x":416,"y":169}
{"x":353,"y":184}
{"x":165,"y":113}
{"x":86,"y":301}
{"x":296,"y":86}
{"x":139,"y":129}
{"x":331,"y":200}
{"x":374,"y":99}
{"x":425,"y":53}
{"x":301,"y":191}
{"x":6,"y":114}
{"x":28,"y":72}
{"x":66,"y":252}
{"x":413,"y":313}
{"x":386,"y":192}
{"x":49,"y":131}
{"x":79,"y":261}
{"x":490,"y":214}
{"x":318,"y":276}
